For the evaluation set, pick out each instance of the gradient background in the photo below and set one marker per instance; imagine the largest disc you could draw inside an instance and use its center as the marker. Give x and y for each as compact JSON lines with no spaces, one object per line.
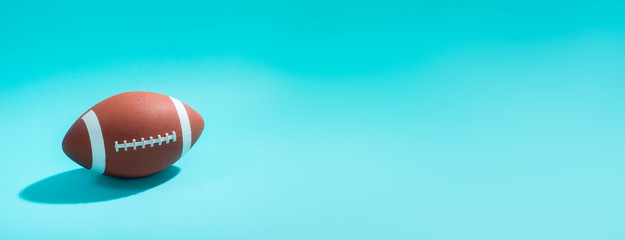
{"x":324,"y":120}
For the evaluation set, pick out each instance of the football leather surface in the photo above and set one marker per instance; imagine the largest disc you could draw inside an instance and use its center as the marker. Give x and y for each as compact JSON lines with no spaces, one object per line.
{"x":133,"y":134}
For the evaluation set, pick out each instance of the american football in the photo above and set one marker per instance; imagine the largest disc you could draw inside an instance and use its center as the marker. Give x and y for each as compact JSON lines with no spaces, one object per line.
{"x":133,"y":134}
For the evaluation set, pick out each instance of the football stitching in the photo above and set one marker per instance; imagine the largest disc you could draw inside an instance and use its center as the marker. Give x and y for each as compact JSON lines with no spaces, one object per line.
{"x":134,"y":144}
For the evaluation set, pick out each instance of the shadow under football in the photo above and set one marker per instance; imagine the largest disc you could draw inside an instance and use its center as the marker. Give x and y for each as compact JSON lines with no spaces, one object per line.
{"x":83,"y":186}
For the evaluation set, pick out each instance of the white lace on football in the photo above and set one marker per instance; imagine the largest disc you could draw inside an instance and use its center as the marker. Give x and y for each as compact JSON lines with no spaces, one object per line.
{"x":134,"y":144}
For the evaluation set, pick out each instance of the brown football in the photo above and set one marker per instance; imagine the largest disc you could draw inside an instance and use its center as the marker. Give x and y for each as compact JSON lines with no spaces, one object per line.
{"x":133,"y":134}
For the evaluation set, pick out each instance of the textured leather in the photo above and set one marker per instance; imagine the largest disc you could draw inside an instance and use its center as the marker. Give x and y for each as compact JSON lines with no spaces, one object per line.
{"x":76,"y":144}
{"x":129,"y":116}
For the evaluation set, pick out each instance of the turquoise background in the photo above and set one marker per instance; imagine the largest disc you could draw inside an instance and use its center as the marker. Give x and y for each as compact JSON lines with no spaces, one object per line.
{"x":324,"y":119}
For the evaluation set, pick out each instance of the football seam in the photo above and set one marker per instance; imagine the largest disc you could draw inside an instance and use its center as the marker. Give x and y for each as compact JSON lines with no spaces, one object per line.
{"x":134,"y":144}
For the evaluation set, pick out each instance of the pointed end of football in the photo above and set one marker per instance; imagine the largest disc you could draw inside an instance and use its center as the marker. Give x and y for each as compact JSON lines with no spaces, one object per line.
{"x":197,"y":123}
{"x":77,"y":145}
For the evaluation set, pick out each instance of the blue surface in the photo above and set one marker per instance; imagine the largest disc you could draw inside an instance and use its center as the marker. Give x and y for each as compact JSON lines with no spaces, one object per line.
{"x":325,"y":120}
